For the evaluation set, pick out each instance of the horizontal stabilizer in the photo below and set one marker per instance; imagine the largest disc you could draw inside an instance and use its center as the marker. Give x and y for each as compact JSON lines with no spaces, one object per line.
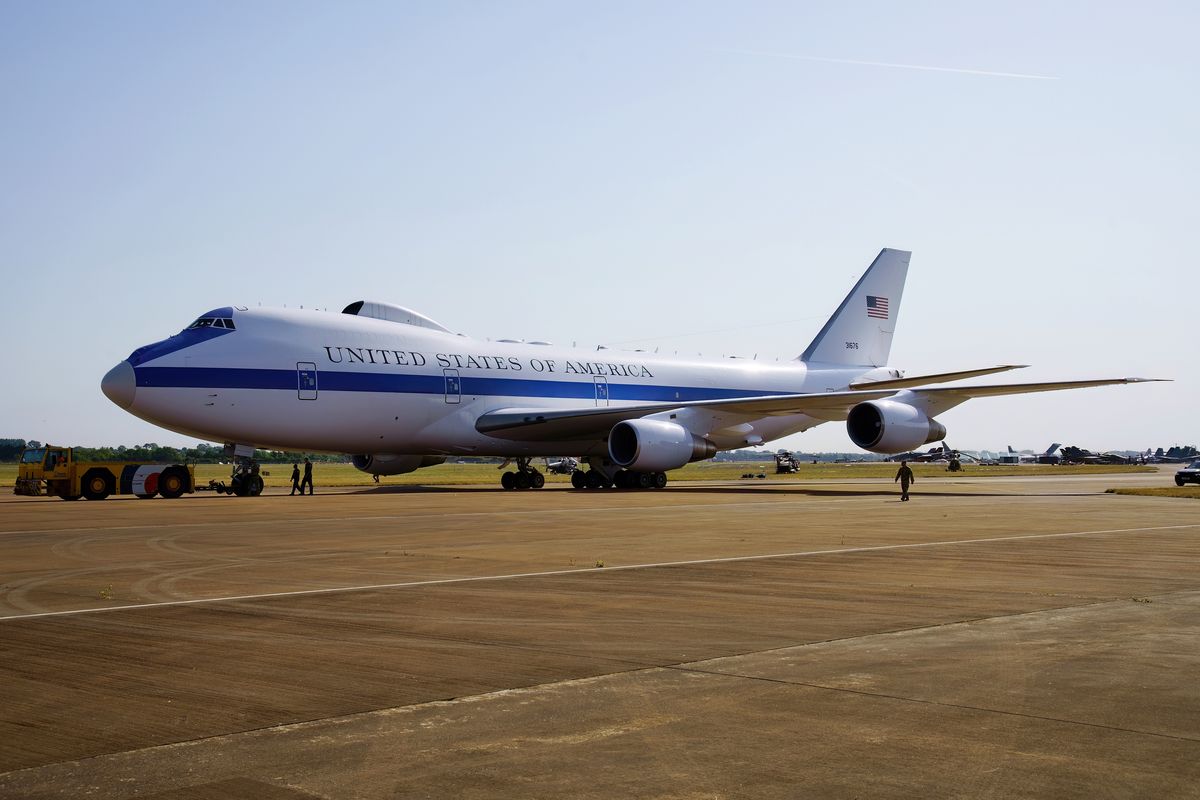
{"x":941,"y":377}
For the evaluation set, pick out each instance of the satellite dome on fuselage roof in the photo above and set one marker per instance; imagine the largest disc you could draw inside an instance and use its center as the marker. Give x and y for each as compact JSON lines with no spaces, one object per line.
{"x":393,"y":313}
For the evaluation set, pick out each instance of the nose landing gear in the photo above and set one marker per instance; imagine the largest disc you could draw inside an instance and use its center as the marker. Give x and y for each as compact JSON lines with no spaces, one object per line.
{"x":246,"y":480}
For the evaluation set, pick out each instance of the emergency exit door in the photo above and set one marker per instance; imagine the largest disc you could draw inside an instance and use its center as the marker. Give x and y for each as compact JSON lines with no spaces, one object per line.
{"x":601,"y":390}
{"x":306,"y":380}
{"x":453,"y":386}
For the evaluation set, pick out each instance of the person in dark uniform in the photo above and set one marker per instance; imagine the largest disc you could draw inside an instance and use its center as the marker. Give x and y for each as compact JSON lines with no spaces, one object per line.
{"x":307,"y":477}
{"x":296,"y":479}
{"x":906,"y":477}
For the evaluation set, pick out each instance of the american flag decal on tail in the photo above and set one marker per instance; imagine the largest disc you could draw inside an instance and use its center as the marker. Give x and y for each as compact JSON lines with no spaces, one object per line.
{"x":877,"y":307}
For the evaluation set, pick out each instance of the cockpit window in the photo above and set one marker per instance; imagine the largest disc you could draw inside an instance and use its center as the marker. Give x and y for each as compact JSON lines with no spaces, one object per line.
{"x":212,"y":322}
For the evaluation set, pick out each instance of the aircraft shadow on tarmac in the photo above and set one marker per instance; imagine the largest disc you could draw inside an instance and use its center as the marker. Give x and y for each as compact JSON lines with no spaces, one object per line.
{"x":731,"y":490}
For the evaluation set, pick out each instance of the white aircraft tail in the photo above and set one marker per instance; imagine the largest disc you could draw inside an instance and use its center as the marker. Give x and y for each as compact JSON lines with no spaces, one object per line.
{"x":859,"y":334}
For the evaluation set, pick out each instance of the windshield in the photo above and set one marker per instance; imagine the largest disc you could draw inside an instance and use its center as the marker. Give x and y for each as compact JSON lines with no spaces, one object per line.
{"x":33,"y":456}
{"x":1195,"y":464}
{"x":212,"y":322}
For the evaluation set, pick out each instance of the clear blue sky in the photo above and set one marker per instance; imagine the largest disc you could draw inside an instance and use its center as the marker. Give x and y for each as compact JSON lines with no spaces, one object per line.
{"x":610,"y":172}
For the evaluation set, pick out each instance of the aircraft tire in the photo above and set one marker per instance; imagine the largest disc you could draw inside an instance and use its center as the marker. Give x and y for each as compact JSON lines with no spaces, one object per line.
{"x":537,"y":480}
{"x":594,"y":481}
{"x":644,"y":480}
{"x":578,"y":479}
{"x":660,"y":480}
{"x":522,"y":480}
{"x":508,"y":480}
{"x":255,"y":486}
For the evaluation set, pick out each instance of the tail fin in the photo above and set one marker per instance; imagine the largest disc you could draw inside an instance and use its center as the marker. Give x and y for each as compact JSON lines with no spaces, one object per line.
{"x":860,"y":332}
{"x":1050,"y":450}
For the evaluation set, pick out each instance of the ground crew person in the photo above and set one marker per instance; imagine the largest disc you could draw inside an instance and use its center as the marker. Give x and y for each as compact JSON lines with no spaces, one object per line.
{"x":296,"y":479}
{"x":307,"y":477}
{"x":905,"y":476}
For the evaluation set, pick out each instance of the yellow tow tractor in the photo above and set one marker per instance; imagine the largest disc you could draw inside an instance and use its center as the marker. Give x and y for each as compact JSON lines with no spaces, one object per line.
{"x":54,"y":471}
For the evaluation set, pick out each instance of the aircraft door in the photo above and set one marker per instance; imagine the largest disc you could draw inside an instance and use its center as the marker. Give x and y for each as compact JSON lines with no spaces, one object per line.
{"x":601,"y":390}
{"x":306,"y":380}
{"x":453,"y":386}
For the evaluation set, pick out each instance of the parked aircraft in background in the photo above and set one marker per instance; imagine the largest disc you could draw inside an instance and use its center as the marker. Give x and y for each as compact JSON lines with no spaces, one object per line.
{"x":403,"y":392}
{"x":1029,"y":456}
{"x":1176,"y":455}
{"x":1078,"y":455}
{"x":562,"y":466}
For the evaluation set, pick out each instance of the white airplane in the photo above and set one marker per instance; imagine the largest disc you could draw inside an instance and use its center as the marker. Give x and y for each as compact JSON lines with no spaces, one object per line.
{"x":403,"y":392}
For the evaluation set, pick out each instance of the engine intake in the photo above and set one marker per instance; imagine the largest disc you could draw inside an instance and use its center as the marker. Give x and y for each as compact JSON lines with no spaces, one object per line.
{"x":651,"y":445}
{"x":886,"y":426}
{"x":388,"y":464}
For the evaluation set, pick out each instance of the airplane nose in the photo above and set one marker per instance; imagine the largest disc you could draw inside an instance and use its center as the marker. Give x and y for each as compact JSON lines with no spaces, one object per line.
{"x":119,"y":384}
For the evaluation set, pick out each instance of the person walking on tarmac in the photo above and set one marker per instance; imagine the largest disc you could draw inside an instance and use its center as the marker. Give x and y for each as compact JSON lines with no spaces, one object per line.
{"x":307,"y":477}
{"x":906,"y":477}
{"x":296,"y":479}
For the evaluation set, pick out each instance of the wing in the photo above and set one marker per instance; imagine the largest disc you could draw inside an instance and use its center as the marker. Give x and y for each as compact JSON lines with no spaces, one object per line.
{"x":935,"y":401}
{"x":576,"y":424}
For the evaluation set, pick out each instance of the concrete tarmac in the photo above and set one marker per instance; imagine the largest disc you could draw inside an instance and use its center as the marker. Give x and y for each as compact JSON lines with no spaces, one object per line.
{"x":1004,"y":637}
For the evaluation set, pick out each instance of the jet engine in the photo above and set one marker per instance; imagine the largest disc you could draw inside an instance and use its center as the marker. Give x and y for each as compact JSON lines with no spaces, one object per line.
{"x":885,"y":426}
{"x":388,"y":464}
{"x":650,"y":445}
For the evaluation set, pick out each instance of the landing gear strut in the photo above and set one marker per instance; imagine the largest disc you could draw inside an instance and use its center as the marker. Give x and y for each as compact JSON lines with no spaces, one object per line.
{"x":599,"y":478}
{"x":526,"y":477}
{"x":246,"y":480}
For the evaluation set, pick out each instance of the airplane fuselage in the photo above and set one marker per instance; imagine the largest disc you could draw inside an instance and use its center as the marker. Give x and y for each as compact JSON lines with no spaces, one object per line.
{"x":310,"y":380}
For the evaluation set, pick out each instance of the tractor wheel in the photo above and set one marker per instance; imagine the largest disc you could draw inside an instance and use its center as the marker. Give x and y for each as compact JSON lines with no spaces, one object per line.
{"x":172,"y":483}
{"x":97,"y":484}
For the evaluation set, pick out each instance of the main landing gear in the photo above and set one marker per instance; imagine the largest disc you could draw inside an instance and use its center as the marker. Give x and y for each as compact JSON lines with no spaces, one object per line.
{"x":621,"y":479}
{"x":526,"y":477}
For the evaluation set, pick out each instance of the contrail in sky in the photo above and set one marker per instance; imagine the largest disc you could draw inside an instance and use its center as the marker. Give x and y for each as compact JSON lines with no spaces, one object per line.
{"x":897,"y":66}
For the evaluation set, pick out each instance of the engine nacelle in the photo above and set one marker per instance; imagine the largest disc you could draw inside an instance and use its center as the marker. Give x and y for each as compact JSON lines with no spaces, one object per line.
{"x":885,"y":426}
{"x":388,"y":464}
{"x":651,"y":445}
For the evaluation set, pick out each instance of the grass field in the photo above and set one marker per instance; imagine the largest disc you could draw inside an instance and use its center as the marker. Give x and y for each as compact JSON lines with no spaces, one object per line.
{"x":1191,"y":492}
{"x":468,"y":474}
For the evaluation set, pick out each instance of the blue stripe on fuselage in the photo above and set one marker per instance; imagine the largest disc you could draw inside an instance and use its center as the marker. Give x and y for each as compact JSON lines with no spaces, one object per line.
{"x":330,"y":381}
